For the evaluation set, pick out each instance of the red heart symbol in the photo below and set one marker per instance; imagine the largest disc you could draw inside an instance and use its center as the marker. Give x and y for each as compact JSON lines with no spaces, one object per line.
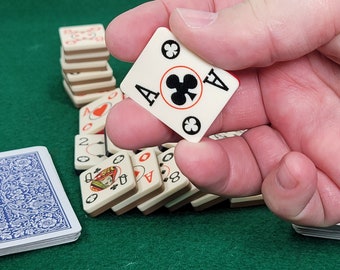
{"x":100,"y":110}
{"x":136,"y":173}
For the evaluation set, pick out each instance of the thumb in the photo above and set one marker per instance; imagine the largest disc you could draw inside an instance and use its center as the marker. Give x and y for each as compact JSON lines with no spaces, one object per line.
{"x":257,"y":33}
{"x":290,"y":191}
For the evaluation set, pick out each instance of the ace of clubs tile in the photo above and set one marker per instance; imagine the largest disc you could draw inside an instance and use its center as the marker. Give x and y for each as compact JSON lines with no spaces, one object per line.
{"x":178,"y":87}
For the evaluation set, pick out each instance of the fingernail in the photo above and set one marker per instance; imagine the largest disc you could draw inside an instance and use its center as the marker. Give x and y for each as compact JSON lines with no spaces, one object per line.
{"x":285,"y":178}
{"x":196,"y":18}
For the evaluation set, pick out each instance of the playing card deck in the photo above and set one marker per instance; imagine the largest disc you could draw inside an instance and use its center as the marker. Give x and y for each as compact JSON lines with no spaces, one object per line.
{"x":34,"y":209}
{"x":332,"y":232}
{"x":86,"y":72}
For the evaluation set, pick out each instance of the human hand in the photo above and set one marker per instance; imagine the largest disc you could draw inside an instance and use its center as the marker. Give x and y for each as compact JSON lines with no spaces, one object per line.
{"x":286,"y":55}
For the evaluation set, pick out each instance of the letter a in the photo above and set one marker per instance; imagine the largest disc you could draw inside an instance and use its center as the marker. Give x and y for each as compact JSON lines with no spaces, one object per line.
{"x":149,"y":95}
{"x":148,"y":176}
{"x":216,"y":81}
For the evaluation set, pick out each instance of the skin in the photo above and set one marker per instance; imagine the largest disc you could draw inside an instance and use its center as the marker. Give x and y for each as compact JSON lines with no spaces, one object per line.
{"x":286,"y":55}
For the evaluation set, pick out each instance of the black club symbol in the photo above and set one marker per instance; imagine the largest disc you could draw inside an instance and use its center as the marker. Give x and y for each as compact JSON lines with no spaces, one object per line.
{"x":170,"y":49}
{"x":83,"y":158}
{"x":91,"y":198}
{"x":191,"y":125}
{"x":97,"y":170}
{"x":182,"y":88}
{"x":118,"y":159}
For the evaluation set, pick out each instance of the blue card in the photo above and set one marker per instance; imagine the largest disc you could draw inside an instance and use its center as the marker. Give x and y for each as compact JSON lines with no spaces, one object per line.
{"x":34,"y":209}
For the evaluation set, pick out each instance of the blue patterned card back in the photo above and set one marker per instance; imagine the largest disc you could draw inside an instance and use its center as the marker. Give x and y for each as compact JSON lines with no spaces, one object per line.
{"x":33,"y":203}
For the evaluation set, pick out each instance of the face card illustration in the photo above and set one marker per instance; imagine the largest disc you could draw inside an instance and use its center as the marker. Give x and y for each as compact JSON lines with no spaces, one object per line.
{"x":92,"y":117}
{"x":148,"y":178}
{"x":174,"y":183}
{"x":82,"y":38}
{"x":107,"y":183}
{"x":178,"y":87}
{"x":89,"y":150}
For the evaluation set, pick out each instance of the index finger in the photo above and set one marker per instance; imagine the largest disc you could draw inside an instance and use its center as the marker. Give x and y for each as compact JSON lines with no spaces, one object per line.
{"x":127,"y":34}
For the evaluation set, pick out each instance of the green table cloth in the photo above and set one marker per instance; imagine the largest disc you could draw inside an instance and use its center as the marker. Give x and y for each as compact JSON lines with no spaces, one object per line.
{"x":35,"y":110}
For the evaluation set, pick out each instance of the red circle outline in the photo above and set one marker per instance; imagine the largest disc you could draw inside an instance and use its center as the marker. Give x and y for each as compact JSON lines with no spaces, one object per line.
{"x":200,"y":95}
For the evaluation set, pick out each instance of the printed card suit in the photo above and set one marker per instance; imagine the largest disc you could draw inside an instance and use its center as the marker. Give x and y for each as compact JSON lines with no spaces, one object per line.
{"x":92,"y":117}
{"x":99,"y":111}
{"x":107,"y":183}
{"x":79,"y":38}
{"x":148,"y":178}
{"x":174,"y":182}
{"x":178,"y":87}
{"x":89,"y":150}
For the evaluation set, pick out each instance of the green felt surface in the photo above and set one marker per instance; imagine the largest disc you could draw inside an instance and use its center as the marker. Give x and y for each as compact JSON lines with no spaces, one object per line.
{"x":35,"y":110}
